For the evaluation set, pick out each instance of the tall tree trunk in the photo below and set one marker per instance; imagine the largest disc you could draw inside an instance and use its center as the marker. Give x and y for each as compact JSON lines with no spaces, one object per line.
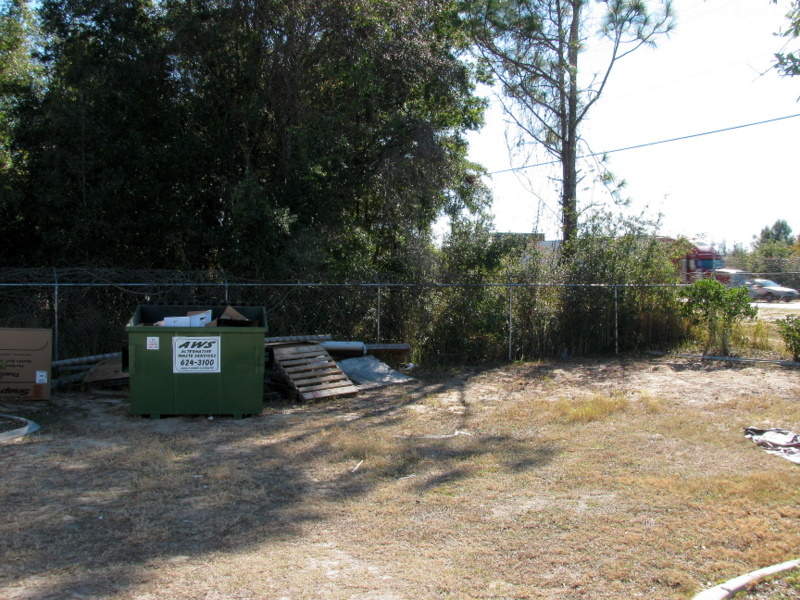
{"x":569,"y":192}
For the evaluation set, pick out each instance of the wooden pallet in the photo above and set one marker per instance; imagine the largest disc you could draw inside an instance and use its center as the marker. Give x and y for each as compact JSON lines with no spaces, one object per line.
{"x":311,"y":371}
{"x":108,"y":372}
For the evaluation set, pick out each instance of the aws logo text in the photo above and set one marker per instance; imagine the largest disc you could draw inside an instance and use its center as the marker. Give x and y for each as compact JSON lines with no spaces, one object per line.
{"x":204,"y":345}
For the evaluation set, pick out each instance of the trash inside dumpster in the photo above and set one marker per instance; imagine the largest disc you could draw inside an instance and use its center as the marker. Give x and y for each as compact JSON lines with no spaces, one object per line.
{"x":195,"y":360}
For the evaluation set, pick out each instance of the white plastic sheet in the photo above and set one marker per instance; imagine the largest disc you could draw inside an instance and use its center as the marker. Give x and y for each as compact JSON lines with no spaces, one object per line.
{"x":369,"y":372}
{"x":782,"y":442}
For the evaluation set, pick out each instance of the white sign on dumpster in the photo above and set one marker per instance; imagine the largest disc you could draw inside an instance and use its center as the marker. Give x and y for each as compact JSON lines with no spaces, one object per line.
{"x":196,"y":355}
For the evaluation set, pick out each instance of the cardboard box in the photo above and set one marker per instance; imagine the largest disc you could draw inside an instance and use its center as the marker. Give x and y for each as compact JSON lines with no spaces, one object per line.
{"x":153,"y":316}
{"x":177,"y":322}
{"x":231,"y":317}
{"x":197,"y":318}
{"x":200,"y":318}
{"x":25,"y":360}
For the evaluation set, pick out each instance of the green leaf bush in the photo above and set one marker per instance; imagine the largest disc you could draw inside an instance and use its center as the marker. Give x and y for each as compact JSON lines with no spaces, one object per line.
{"x":790,"y":332}
{"x":717,"y":310}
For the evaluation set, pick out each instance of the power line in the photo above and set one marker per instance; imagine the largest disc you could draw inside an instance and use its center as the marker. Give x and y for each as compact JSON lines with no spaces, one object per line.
{"x":645,"y":145}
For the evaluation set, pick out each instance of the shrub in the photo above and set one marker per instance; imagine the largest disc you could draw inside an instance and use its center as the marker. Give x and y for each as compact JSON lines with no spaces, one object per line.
{"x":790,"y":332}
{"x":717,"y":309}
{"x":624,"y":251}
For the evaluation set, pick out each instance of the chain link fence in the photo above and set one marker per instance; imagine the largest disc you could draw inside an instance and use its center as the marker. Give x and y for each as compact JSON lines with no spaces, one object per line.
{"x":88,"y":310}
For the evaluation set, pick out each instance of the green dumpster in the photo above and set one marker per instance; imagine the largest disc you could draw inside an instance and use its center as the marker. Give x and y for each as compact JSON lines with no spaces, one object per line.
{"x":193,"y":360}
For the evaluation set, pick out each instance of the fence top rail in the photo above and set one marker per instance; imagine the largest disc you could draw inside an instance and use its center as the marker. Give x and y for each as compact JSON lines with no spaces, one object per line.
{"x":132,"y":278}
{"x":343,"y":285}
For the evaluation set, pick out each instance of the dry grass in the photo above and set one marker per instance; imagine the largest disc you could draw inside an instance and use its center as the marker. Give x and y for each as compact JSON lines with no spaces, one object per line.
{"x":566,"y":480}
{"x":597,"y":407}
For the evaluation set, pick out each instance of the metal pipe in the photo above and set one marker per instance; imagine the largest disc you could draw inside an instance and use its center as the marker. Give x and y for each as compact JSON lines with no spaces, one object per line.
{"x":358,"y":347}
{"x":739,"y":359}
{"x":82,"y":360}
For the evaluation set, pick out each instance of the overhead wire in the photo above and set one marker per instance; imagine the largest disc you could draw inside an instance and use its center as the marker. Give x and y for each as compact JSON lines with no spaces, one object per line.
{"x":692,"y":11}
{"x":648,"y":144}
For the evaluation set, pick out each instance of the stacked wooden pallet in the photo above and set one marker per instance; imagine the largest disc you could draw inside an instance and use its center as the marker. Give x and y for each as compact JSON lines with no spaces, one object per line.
{"x":311,"y":372}
{"x":107,"y":373}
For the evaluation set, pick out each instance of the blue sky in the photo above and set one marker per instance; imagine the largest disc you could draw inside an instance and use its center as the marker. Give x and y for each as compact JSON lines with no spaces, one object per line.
{"x":712,"y":73}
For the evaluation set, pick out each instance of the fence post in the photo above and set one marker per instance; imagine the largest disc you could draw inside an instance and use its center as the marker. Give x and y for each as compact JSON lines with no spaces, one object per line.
{"x":55,"y":315}
{"x":225,"y":282}
{"x":378,"y":341}
{"x":510,"y":321}
{"x":616,"y":319}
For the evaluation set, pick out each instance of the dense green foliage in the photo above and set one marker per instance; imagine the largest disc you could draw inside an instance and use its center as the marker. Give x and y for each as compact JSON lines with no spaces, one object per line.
{"x":626,"y":252}
{"x":779,"y":233}
{"x":717,"y":309}
{"x":469,"y":316}
{"x":282,"y":139}
{"x":615,"y":293}
{"x":776,"y":242}
{"x":294,"y":140}
{"x":19,"y":73}
{"x":308,"y":140}
{"x":790,"y":333}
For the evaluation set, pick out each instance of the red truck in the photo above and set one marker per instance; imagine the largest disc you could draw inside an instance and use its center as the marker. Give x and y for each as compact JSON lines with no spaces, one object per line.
{"x":704,"y":262}
{"x":701,"y":262}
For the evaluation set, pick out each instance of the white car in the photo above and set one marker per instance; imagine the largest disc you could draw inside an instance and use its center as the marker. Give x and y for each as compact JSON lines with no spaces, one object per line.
{"x":765,"y":289}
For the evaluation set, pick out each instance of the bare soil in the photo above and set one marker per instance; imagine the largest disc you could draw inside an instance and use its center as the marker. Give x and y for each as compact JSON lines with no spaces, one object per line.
{"x":10,"y":423}
{"x":574,"y":479}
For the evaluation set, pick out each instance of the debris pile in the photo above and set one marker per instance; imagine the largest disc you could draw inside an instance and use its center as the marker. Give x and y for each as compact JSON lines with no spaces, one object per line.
{"x":302,"y":367}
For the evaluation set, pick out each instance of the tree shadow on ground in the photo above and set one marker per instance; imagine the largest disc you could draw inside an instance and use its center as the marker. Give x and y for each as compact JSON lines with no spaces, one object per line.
{"x":100,"y":494}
